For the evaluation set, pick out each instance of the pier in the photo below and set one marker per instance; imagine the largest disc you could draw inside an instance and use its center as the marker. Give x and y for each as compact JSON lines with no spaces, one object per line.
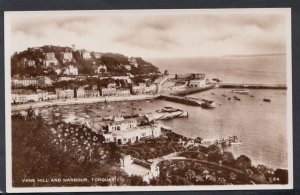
{"x":188,"y":101}
{"x":251,"y":86}
{"x":194,"y":90}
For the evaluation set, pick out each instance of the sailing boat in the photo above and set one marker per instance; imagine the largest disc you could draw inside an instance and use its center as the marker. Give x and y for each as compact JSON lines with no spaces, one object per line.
{"x":231,"y":140}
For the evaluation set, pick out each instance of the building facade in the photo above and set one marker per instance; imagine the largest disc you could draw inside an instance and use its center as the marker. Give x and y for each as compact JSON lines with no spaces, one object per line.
{"x":197,"y":83}
{"x":100,"y":69}
{"x":123,"y":92}
{"x":24,"y":62}
{"x":179,"y":86}
{"x":92,"y":91}
{"x":143,"y":88}
{"x":44,"y":81}
{"x":85,"y":55}
{"x":64,"y":93}
{"x":25,"y":82}
{"x":79,"y":92}
{"x":131,"y":135}
{"x":109,"y":91}
{"x":71,"y":70}
{"x":50,"y":60}
{"x":66,"y":56}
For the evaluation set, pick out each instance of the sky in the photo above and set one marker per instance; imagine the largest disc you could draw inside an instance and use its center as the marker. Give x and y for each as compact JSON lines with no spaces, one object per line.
{"x":159,"y":35}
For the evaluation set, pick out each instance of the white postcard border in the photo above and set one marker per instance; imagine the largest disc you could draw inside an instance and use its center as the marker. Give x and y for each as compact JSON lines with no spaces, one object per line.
{"x":7,"y":19}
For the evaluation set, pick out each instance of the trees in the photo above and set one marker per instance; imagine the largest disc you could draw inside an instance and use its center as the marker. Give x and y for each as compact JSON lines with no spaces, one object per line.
{"x":214,"y":153}
{"x":137,"y":181}
{"x":282,"y":174}
{"x":228,"y":159}
{"x":243,"y":162}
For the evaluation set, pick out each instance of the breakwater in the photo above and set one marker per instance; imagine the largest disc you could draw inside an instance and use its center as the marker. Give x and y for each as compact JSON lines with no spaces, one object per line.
{"x":178,"y":99}
{"x":251,"y":86}
{"x":194,"y":90}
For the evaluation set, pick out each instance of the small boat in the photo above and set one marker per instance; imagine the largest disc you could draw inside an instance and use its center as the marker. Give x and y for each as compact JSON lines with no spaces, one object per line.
{"x":229,"y":98}
{"x":236,"y":98}
{"x":208,"y":104}
{"x":241,"y":91}
{"x":252,"y":96}
{"x":224,"y":95}
{"x":232,"y":140}
{"x":212,"y":93}
{"x":217,"y":80}
{"x":266,"y":100}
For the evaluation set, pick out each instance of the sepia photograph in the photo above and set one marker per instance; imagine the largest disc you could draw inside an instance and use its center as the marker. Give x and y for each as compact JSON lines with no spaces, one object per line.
{"x":135,"y":100}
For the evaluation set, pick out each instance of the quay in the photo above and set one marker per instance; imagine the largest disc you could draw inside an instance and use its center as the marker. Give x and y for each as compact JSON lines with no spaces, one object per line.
{"x":184,"y":100}
{"x":251,"y":86}
{"x":194,"y":90}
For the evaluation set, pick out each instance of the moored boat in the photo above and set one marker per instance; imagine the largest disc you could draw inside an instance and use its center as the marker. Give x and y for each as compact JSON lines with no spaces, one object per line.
{"x":236,"y":98}
{"x":231,"y":140}
{"x":209,"y":104}
{"x":266,"y":100}
{"x":241,"y":91}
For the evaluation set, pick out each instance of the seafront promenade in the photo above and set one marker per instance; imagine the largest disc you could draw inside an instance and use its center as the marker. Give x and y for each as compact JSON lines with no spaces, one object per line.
{"x":141,"y":97}
{"x":80,"y":101}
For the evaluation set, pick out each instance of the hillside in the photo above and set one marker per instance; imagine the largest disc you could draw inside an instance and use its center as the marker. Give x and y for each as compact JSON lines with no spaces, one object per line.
{"x":35,"y":61}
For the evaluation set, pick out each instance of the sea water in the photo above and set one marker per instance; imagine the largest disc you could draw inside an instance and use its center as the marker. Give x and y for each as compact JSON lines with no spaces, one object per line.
{"x":261,"y":126}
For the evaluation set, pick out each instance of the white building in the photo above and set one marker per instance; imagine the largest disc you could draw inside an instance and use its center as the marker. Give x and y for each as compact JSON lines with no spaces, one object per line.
{"x":197,"y":83}
{"x":91,"y":91}
{"x":50,"y":60}
{"x":71,"y":70}
{"x":123,"y":92}
{"x":108,"y":91}
{"x":133,"y":62}
{"x":26,"y":63}
{"x":80,"y":92}
{"x":25,"y":82}
{"x":138,"y":167}
{"x":44,"y":81}
{"x":64,"y":93}
{"x":66,"y":56}
{"x":179,"y":86}
{"x":128,"y":134}
{"x":85,"y":55}
{"x":23,"y":96}
{"x":143,"y":88}
{"x":120,"y":125}
{"x":128,"y":67}
{"x":100,"y":69}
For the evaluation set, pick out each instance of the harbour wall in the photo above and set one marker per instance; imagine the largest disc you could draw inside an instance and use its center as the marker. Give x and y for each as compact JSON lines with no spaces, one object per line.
{"x":177,"y":99}
{"x":251,"y":86}
{"x":194,"y":90}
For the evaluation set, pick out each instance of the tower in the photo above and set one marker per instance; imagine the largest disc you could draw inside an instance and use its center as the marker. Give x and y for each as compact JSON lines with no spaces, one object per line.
{"x":73,"y":47}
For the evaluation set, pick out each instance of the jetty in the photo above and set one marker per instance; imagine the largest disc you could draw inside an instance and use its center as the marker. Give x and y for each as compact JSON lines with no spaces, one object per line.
{"x":189,"y":101}
{"x":194,"y":90}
